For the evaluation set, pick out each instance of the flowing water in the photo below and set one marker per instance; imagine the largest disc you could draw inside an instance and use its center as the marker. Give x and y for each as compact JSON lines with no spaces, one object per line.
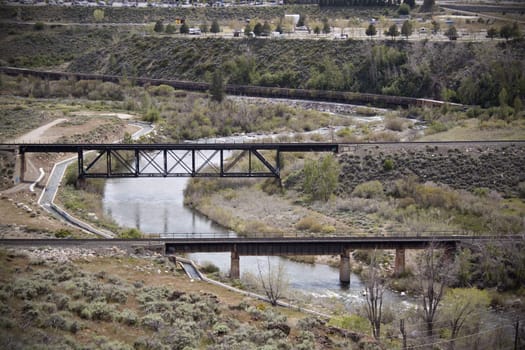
{"x":155,"y":205}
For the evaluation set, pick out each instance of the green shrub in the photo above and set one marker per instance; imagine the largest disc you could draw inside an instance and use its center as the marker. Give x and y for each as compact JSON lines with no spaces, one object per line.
{"x":436,"y":127}
{"x":152,"y":115}
{"x":61,"y":301}
{"x":309,"y":323}
{"x":151,"y":294}
{"x":209,"y":267}
{"x":128,"y":317}
{"x":363,"y":256}
{"x":38,"y":26}
{"x":388,"y":164}
{"x":220,"y":329}
{"x":162,"y":90}
{"x":309,"y":223}
{"x":369,"y":189}
{"x":394,"y":124}
{"x":61,"y":321}
{"x":328,"y":229}
{"x":27,"y":289}
{"x":99,"y":311}
{"x":355,"y":323}
{"x":63,"y":233}
{"x":131,"y":233}
{"x":116,"y":295}
{"x":157,"y":306}
{"x":431,"y":195}
{"x":70,"y":179}
{"x":152,"y":322}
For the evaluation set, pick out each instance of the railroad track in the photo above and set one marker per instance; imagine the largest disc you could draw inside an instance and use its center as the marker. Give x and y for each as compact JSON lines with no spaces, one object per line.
{"x":245,"y":90}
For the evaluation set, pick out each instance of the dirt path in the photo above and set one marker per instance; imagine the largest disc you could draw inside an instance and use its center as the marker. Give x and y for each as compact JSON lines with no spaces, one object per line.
{"x":22,"y":216}
{"x":41,"y":134}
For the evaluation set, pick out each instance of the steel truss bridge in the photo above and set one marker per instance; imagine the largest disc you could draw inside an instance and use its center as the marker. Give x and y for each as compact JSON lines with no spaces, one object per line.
{"x":177,"y":160}
{"x":201,"y":159}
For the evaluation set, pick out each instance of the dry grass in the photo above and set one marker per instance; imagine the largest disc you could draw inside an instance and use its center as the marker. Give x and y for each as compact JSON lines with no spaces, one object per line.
{"x":470,"y":130}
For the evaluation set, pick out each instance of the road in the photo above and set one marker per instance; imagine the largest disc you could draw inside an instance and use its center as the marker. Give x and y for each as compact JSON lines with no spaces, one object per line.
{"x":47,"y":197}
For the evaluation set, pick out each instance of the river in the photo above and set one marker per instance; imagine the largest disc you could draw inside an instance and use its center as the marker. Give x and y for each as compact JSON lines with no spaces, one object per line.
{"x":155,"y":205}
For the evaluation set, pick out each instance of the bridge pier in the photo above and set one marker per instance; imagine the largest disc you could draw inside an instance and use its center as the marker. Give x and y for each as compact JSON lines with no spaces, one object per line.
{"x":235,"y":265}
{"x":20,"y":167}
{"x":399,"y":262}
{"x":344,"y":267}
{"x":450,"y":253}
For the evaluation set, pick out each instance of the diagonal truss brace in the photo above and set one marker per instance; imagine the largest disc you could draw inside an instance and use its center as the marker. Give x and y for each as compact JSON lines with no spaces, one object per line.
{"x":148,"y":162}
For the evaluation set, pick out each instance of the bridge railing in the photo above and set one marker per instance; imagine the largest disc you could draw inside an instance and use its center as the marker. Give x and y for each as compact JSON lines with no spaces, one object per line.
{"x":198,"y":235}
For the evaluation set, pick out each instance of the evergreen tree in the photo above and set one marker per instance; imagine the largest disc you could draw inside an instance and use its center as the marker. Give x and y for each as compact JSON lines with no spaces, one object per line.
{"x":279,"y":28}
{"x":215,"y":27}
{"x":302,"y":21}
{"x":452,"y":33}
{"x":258,"y":29}
{"x":204,"y":27}
{"x":435,"y":27}
{"x":392,"y":31}
{"x":371,"y":30}
{"x":170,"y":29}
{"x":492,"y":32}
{"x":159,"y":27}
{"x":403,"y":10}
{"x":217,"y":86}
{"x":184,"y":29}
{"x":247,"y":29}
{"x":266,"y":28}
{"x":326,"y":26}
{"x":407,"y":29}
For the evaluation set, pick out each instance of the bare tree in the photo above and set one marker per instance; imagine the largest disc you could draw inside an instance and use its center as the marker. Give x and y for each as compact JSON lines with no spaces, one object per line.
{"x":433,"y":277}
{"x":273,"y":280}
{"x":374,"y":289}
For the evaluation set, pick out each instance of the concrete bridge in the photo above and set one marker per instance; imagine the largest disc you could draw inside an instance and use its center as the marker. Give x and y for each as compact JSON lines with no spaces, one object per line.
{"x":280,"y":246}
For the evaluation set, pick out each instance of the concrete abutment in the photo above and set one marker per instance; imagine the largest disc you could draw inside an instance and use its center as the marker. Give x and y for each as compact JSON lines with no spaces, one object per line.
{"x":344,"y":267}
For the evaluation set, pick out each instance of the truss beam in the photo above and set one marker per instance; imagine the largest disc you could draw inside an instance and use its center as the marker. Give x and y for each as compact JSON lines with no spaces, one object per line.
{"x":137,"y":162}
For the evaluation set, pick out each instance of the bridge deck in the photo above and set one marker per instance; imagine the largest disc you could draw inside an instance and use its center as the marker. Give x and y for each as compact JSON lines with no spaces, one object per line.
{"x":269,"y":246}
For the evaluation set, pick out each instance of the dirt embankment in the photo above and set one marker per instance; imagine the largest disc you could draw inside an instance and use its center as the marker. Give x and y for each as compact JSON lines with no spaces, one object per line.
{"x":21,"y":214}
{"x":499,"y":167}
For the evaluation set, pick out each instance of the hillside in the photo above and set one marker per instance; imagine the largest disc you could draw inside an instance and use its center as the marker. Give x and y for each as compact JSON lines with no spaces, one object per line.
{"x":105,"y":299}
{"x":70,"y":14}
{"x":470,"y":73}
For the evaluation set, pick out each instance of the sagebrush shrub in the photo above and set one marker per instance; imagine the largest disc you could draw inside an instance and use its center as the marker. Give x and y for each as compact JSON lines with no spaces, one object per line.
{"x":369,"y":189}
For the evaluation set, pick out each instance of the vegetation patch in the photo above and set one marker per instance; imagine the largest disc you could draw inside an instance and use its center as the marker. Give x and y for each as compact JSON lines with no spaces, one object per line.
{"x":78,"y":307}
